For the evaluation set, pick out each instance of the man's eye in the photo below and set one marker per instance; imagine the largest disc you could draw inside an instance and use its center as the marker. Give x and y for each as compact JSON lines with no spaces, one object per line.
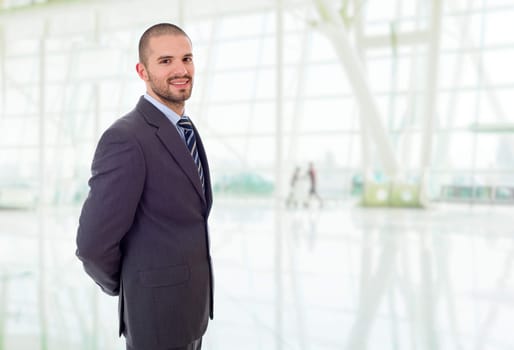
{"x":165,"y":61}
{"x":188,"y":59}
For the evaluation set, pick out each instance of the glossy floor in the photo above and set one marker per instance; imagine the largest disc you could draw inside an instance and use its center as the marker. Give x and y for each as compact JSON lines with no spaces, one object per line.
{"x":340,"y":277}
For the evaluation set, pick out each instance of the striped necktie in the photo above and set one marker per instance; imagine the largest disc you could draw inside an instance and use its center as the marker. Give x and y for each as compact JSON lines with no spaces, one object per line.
{"x":190,"y":137}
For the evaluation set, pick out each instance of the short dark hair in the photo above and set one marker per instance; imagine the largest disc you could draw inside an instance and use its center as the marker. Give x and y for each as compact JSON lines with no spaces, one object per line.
{"x":157,"y":30}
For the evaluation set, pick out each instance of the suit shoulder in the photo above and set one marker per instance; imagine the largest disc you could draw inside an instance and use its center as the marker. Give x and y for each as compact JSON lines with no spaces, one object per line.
{"x":126,"y":127}
{"x":130,"y":122}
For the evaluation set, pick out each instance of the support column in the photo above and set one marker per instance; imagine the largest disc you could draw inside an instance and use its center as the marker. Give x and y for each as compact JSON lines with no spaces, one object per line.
{"x":4,"y":280}
{"x":431,"y":90}
{"x":364,"y":133}
{"x":3,"y":71}
{"x":298,"y":116}
{"x":279,"y":104}
{"x":42,"y":193}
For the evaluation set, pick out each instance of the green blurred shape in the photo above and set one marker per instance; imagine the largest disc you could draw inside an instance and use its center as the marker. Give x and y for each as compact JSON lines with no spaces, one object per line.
{"x":357,"y":185}
{"x":246,"y":183}
{"x":406,"y":195}
{"x":494,"y":128}
{"x":391,"y":194}
{"x":459,"y":192}
{"x":484,"y":193}
{"x":504,"y":193}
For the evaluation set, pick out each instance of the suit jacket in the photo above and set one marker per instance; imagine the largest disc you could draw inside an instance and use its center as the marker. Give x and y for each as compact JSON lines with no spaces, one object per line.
{"x":143,"y":230}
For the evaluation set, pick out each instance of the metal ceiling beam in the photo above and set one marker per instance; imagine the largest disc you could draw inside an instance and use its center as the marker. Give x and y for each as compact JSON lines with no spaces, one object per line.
{"x":398,"y":39}
{"x":334,"y":28}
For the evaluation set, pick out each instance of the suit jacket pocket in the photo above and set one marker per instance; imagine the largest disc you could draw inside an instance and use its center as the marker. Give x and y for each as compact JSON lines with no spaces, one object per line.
{"x":166,"y":276}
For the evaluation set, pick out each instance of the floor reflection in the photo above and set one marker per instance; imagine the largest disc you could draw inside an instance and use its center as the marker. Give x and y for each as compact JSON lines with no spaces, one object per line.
{"x":349,"y":278}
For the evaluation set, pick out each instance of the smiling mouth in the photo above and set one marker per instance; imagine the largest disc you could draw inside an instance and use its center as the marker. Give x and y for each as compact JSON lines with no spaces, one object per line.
{"x":180,"y":82}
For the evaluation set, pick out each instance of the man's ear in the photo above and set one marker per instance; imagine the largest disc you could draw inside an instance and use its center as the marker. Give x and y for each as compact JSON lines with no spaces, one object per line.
{"x":141,"y":71}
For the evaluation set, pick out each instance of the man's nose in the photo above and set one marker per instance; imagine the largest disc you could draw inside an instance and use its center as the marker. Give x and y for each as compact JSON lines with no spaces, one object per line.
{"x":180,"y":69}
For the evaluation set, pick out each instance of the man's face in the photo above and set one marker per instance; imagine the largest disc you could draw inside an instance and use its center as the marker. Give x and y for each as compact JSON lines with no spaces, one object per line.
{"x":169,"y":70}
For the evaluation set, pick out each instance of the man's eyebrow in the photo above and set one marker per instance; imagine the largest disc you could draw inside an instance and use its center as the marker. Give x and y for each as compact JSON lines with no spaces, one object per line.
{"x":164,"y":57}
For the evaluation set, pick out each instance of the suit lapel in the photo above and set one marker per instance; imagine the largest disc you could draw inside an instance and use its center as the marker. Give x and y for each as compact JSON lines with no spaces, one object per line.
{"x":206,"y":172}
{"x":170,"y":138}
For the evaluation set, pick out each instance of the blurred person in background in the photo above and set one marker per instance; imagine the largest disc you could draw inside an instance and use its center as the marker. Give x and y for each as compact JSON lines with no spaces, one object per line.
{"x":293,"y":197}
{"x":313,"y":192}
{"x":143,"y":232}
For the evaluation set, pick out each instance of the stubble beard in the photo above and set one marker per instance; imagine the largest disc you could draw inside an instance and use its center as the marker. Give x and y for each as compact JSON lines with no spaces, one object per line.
{"x":167,"y":96}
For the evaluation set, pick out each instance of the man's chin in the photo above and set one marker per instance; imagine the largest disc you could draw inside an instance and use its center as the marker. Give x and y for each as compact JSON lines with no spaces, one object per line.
{"x":181,"y":95}
{"x":185,"y":96}
{"x":174,"y":99}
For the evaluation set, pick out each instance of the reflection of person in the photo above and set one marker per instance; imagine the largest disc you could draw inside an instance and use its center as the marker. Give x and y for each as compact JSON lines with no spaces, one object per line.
{"x":143,"y":228}
{"x":311,"y":173}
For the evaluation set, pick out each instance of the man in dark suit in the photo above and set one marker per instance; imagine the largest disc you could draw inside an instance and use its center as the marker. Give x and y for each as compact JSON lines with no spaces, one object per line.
{"x":143,"y":228}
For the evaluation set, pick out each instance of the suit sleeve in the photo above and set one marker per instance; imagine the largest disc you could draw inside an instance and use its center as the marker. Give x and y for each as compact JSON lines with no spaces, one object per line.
{"x":116,"y":184}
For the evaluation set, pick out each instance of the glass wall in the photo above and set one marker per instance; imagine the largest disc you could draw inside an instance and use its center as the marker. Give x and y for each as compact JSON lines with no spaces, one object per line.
{"x":61,"y":88}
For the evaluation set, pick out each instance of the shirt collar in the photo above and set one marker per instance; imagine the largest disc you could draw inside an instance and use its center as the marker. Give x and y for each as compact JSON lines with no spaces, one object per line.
{"x":168,"y":112}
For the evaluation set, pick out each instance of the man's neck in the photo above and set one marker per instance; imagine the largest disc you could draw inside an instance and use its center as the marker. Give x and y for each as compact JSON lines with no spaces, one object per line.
{"x":175,"y":107}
